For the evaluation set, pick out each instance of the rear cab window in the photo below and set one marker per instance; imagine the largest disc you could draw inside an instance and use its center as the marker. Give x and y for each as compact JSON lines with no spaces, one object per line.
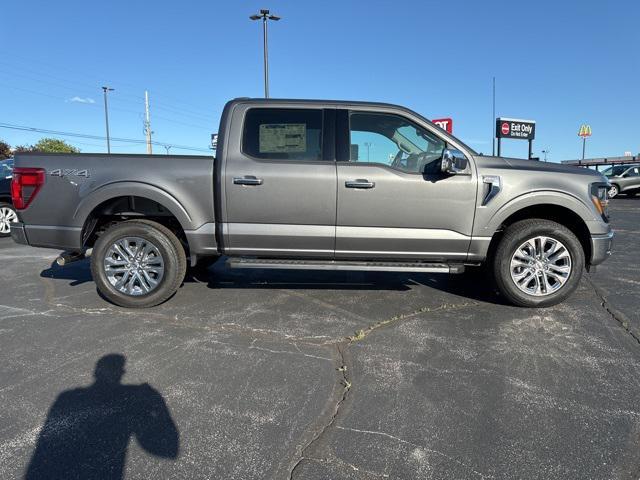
{"x":294,"y":134}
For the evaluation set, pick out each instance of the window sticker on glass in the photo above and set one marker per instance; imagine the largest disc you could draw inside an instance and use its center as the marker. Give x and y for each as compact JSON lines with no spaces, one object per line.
{"x":283,"y":137}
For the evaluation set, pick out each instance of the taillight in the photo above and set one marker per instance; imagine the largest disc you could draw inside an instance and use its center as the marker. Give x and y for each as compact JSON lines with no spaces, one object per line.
{"x":25,"y":184}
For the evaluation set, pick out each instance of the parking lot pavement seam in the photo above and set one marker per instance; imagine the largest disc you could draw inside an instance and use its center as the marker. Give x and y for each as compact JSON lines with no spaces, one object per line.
{"x":346,"y":388}
{"x":362,"y":333}
{"x":181,"y":321}
{"x":616,"y":314}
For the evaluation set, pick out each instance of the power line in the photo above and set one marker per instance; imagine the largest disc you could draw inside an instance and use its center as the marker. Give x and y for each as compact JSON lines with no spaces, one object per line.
{"x":171,"y":120}
{"x":37,"y":76}
{"x":98,"y":137}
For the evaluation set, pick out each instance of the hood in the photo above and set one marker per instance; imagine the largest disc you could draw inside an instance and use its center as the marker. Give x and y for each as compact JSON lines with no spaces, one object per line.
{"x":537,"y":166}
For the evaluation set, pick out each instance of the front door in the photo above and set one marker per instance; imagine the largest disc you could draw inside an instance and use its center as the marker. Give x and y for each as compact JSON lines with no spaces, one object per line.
{"x":280,"y":185}
{"x":393,"y":201}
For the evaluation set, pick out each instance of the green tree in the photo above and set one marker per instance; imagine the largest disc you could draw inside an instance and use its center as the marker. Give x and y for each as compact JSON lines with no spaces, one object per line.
{"x":53,"y":145}
{"x":5,"y":150}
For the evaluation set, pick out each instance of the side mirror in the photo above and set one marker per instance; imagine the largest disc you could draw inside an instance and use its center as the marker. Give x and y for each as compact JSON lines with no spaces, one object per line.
{"x":453,"y":161}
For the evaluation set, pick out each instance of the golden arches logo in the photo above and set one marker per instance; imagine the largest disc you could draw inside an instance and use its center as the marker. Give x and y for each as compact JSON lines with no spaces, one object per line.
{"x":585,"y":131}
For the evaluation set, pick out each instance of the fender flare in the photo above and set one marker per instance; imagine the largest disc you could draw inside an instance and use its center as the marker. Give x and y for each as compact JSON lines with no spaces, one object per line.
{"x":132,"y":189}
{"x":542,"y":197}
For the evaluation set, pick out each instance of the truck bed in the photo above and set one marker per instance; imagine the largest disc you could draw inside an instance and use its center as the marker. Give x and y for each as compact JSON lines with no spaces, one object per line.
{"x":76,"y":184}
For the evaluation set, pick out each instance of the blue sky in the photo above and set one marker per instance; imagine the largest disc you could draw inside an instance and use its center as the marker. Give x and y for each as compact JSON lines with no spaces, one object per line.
{"x":561,"y":63}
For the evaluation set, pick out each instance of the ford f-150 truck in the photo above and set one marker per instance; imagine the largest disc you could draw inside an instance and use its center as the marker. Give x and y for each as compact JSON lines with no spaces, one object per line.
{"x":318,"y":185}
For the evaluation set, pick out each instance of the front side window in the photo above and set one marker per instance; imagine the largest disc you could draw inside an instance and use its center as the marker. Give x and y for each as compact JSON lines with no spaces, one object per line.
{"x":634,"y":172}
{"x":394,"y":141}
{"x":614,"y":171}
{"x":283,"y":134}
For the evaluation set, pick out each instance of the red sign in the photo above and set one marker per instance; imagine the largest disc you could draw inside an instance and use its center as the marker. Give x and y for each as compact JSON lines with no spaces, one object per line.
{"x":445,"y":124}
{"x":505,"y":128}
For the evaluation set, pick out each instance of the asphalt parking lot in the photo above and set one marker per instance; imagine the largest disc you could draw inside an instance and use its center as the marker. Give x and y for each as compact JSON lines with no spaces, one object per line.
{"x":267,"y":374}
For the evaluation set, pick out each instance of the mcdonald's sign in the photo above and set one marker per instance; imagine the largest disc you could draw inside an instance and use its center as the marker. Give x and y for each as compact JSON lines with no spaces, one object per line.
{"x":585,"y":131}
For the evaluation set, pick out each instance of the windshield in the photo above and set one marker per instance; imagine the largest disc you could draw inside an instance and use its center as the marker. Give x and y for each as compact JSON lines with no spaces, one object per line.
{"x":615,"y":170}
{"x":6,"y":168}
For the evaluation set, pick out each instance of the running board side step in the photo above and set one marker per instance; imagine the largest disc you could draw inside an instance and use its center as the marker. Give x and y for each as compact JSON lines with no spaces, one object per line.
{"x":428,"y":267}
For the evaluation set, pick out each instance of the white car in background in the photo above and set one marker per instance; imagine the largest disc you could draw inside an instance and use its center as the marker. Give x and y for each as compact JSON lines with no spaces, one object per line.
{"x":7,"y":212}
{"x":624,"y":179}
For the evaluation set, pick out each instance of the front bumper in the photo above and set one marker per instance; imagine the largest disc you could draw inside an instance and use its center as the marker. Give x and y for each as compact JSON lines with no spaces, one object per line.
{"x":601,"y":247}
{"x":18,"y":234}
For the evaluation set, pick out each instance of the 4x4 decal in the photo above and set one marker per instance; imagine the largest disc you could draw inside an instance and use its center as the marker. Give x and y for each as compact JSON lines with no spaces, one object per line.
{"x":69,"y":172}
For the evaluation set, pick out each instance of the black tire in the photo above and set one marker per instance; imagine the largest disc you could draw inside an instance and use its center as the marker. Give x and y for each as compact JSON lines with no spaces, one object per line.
{"x":169,"y":247}
{"x":516,"y":235}
{"x":7,"y":206}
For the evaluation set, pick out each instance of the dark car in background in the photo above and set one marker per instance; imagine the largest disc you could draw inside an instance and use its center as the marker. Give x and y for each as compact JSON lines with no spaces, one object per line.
{"x":7,"y":212}
{"x":624,"y":179}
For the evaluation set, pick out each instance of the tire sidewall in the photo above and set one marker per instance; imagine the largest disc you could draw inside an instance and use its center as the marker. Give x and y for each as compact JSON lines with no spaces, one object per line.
{"x":167,"y":249}
{"x":515,"y":238}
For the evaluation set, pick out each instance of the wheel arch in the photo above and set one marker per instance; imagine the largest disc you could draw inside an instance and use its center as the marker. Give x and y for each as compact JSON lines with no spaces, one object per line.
{"x":547,"y":211}
{"x":130,"y":200}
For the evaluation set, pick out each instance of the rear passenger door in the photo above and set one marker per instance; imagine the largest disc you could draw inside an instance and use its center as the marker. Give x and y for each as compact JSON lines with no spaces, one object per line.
{"x":280,"y":183}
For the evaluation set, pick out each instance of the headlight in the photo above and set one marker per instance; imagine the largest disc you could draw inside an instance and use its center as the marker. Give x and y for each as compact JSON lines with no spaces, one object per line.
{"x":600,"y":199}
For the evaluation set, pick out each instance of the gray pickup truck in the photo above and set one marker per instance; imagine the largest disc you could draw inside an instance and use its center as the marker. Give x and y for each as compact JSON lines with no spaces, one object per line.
{"x":317,"y":185}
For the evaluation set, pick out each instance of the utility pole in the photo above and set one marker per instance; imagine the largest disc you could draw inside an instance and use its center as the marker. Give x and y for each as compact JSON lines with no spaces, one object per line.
{"x":167,"y":147}
{"x":147,"y":123}
{"x":265,"y":16}
{"x":105,"y":90}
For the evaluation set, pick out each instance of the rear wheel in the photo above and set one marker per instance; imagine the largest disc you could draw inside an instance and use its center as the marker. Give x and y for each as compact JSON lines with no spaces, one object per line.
{"x":8,"y":216}
{"x":138,"y":264}
{"x":538,"y":263}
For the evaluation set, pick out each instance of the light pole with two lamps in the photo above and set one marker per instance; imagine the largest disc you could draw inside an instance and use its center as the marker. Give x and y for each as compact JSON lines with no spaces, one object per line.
{"x":265,"y":16}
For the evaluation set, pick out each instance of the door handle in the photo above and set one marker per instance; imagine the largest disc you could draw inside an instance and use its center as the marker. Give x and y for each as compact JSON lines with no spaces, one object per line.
{"x":359,"y":183}
{"x":247,"y":180}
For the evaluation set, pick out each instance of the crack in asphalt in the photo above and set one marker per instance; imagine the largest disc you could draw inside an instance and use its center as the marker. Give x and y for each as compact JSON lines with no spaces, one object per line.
{"x":342,"y":463}
{"x":616,"y":314}
{"x":344,"y":368}
{"x":346,"y":383}
{"x":426,"y":449}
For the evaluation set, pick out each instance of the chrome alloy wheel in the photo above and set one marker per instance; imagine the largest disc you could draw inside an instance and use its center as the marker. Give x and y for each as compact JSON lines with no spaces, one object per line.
{"x":134,"y":266}
{"x":7,"y":217}
{"x":540,"y":266}
{"x":613,"y":191}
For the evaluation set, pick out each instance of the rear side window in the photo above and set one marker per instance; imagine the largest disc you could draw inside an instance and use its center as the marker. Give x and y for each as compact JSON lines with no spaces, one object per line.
{"x":283,"y":134}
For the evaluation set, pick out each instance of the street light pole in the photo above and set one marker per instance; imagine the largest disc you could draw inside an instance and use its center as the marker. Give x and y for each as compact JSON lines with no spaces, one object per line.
{"x":265,"y":16}
{"x":106,"y":115}
{"x":545,"y":152}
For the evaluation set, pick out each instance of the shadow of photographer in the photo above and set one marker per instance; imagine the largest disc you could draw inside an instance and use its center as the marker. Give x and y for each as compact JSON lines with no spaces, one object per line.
{"x":88,"y":429}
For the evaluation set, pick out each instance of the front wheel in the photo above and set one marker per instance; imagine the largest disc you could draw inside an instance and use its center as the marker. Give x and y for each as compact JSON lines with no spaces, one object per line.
{"x":8,"y":216}
{"x":538,"y":263}
{"x":613,"y":191}
{"x":138,"y":263}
